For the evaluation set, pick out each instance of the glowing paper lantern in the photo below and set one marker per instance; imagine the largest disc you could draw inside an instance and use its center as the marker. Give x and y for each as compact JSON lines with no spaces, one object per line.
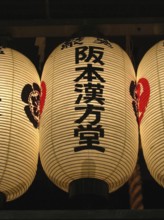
{"x":19,"y":115}
{"x":88,"y":130}
{"x":150,"y":92}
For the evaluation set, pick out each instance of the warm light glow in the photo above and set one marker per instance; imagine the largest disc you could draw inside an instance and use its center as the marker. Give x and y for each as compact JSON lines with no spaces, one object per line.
{"x":19,"y":136}
{"x":88,"y":128}
{"x":151,"y":98}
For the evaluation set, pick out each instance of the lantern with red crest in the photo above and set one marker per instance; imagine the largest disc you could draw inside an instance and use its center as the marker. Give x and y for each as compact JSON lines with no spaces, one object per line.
{"x":19,"y":118}
{"x":150,"y":77}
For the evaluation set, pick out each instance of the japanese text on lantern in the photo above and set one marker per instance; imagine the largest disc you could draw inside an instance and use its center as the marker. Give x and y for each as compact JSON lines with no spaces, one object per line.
{"x":89,"y":86}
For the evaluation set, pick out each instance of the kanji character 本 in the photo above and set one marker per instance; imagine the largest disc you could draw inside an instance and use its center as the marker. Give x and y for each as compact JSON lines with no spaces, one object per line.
{"x":90,"y":109}
{"x":87,"y":53}
{"x":89,"y":137}
{"x":89,"y":73}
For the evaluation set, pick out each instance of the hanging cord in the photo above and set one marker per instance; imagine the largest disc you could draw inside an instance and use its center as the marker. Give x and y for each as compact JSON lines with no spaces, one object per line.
{"x":135,"y":182}
{"x":135,"y":189}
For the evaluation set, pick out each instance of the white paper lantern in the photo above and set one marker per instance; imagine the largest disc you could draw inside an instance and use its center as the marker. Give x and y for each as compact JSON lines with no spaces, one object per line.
{"x":19,"y":115}
{"x":150,"y":91}
{"x":88,"y":130}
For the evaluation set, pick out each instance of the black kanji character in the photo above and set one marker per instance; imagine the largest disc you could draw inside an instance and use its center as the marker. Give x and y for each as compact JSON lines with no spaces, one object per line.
{"x":89,"y":136}
{"x":92,"y":92}
{"x":87,"y":53}
{"x":89,"y":73}
{"x":103,"y":41}
{"x":72,"y":42}
{"x":78,"y":88}
{"x":90,"y":110}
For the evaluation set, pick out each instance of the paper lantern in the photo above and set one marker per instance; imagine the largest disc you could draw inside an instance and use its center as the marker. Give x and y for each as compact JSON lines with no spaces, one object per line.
{"x":150,"y":92}
{"x":19,"y":115}
{"x":88,"y":130}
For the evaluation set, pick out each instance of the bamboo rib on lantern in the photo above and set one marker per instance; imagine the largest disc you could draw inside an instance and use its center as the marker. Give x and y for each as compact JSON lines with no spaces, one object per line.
{"x":65,"y":154}
{"x":19,"y":139}
{"x":150,"y":79}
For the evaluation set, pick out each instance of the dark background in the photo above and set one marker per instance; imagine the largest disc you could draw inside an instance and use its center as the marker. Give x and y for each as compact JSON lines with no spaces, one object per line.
{"x":136,"y":24}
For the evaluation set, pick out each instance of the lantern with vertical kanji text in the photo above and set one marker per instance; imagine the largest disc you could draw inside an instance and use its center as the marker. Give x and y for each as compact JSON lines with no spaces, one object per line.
{"x":88,"y":130}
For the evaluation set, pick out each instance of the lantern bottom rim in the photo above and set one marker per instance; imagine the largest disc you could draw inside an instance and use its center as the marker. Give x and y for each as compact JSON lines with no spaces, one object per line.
{"x":88,"y":187}
{"x":2,"y":199}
